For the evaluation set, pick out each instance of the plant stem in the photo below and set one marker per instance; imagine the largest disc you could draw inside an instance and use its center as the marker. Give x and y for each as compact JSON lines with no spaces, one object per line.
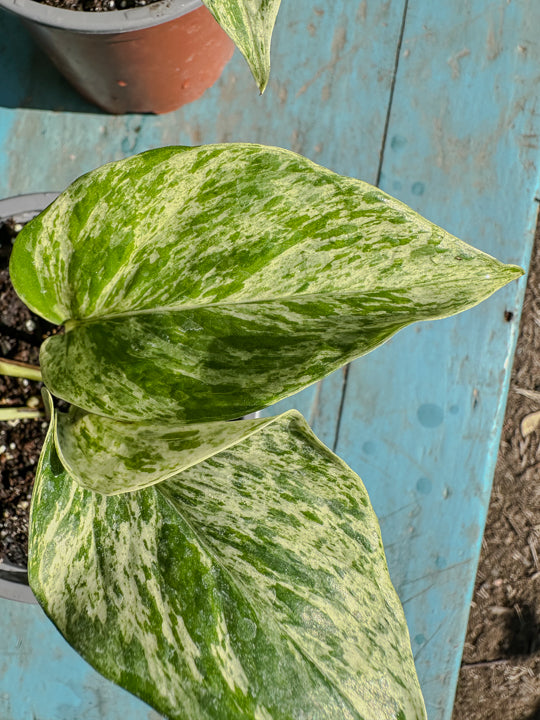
{"x":20,"y":413}
{"x":19,"y":369}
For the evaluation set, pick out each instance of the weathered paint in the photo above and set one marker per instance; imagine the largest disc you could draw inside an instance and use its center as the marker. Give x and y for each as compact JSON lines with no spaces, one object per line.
{"x":333,"y":63}
{"x":461,"y":147}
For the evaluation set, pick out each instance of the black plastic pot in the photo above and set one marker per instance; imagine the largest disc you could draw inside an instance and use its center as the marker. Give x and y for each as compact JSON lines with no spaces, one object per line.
{"x":145,"y":59}
{"x":14,"y":584}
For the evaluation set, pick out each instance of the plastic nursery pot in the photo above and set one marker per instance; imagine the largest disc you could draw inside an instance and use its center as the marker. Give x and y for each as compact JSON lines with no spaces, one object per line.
{"x":145,"y":59}
{"x":13,"y":579}
{"x":14,"y":584}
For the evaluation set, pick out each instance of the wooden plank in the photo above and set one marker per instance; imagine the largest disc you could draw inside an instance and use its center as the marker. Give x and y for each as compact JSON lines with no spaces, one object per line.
{"x":42,"y":677}
{"x":422,"y":416}
{"x":328,"y":99}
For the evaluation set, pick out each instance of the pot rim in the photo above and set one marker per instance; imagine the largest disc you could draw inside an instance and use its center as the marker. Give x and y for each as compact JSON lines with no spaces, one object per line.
{"x":100,"y":23}
{"x":29,"y":204}
{"x":14,"y":584}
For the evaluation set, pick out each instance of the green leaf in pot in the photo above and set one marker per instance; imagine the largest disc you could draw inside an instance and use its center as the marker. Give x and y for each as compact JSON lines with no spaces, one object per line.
{"x":223,"y":570}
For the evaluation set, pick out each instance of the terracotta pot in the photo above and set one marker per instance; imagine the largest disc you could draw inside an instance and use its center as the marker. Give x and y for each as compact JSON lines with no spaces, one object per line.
{"x":146,"y":59}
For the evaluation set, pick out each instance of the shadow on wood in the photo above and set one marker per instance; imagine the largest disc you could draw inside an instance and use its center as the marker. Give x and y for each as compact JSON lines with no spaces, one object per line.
{"x":29,"y":80}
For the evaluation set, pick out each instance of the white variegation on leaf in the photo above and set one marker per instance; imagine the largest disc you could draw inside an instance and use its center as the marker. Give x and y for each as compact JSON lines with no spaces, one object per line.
{"x":111,"y":457}
{"x":249,"y":23}
{"x":252,"y":585}
{"x":202,"y":284}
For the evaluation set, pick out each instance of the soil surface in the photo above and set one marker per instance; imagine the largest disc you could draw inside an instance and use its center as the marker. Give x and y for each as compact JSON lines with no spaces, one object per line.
{"x":21,"y":334}
{"x":500,"y":673}
{"x":96,"y":5}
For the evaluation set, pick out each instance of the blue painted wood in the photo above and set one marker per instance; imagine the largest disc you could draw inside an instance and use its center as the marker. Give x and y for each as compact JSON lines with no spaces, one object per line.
{"x":42,"y":677}
{"x":327,"y":98}
{"x":422,"y":417}
{"x":315,"y":103}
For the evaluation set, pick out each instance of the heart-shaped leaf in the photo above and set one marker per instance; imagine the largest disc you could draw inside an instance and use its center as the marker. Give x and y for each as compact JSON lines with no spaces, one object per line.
{"x":201,"y":284}
{"x":249,"y":23}
{"x":253,"y":585}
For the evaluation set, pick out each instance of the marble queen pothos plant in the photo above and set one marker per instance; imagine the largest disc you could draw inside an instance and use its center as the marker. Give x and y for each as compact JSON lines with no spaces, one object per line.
{"x":223,"y":570}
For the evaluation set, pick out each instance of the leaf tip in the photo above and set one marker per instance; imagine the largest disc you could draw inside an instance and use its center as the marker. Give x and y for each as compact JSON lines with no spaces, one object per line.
{"x":511,"y":272}
{"x":261,"y":75}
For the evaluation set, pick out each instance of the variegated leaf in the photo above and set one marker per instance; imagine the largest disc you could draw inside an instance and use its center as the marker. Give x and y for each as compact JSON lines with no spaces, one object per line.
{"x":111,"y":457}
{"x":253,"y":585}
{"x":201,"y":284}
{"x":249,"y":23}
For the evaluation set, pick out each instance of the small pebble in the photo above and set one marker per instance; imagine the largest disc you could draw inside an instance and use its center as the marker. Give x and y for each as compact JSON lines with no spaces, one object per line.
{"x":30,"y":325}
{"x":32,"y":402}
{"x":12,"y":446}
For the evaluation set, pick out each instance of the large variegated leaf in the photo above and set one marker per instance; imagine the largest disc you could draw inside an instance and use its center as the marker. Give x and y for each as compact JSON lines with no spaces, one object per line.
{"x":251,"y":586}
{"x":249,"y":23}
{"x":111,"y":457}
{"x":201,"y":284}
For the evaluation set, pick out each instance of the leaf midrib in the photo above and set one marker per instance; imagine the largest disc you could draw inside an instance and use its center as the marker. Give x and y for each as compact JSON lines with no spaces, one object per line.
{"x":73,"y":323}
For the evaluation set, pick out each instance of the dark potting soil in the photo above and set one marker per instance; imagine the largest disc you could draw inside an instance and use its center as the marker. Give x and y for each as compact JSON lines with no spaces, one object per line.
{"x":96,"y":5}
{"x":21,"y":334}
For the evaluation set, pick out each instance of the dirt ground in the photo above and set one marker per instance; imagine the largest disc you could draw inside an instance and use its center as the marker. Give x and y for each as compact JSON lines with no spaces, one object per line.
{"x":500,"y":673}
